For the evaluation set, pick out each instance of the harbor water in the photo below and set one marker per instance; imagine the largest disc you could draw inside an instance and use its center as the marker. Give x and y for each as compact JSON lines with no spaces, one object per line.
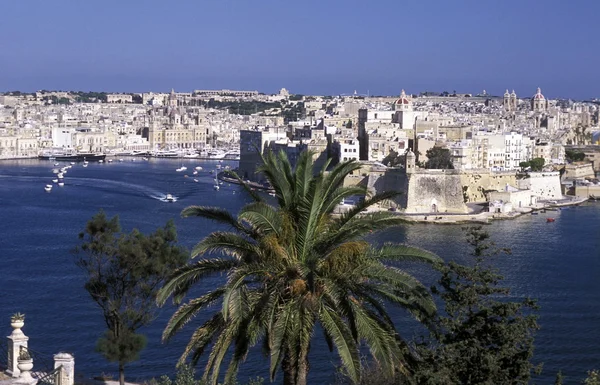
{"x":557,"y":262}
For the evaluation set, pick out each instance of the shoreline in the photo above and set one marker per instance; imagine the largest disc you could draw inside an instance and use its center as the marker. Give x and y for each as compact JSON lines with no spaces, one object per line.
{"x":485,"y":217}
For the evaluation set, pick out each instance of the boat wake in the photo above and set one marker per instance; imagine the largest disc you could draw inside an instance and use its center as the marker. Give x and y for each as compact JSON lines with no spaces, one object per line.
{"x":123,"y":188}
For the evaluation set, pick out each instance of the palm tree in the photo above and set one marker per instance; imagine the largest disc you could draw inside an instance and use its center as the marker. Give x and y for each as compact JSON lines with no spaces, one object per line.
{"x":295,"y":264}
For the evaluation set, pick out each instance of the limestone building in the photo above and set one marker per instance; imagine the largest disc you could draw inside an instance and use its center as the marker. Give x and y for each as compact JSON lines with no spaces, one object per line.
{"x":404,"y":112}
{"x":510,"y":101}
{"x":539,"y":102}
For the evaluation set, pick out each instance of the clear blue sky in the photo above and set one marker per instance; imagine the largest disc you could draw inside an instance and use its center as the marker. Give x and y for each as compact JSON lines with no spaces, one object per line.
{"x":310,"y":46}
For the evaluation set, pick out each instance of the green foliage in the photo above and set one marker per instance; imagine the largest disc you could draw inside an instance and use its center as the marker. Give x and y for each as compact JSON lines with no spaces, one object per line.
{"x":483,"y":338}
{"x":559,"y":378}
{"x":17,"y":317}
{"x":293,"y":265}
{"x":394,"y":159}
{"x":574,"y":156}
{"x":438,"y":158}
{"x":537,"y":164}
{"x":593,"y":378}
{"x":524,"y":165}
{"x":296,"y":97}
{"x":242,"y":107}
{"x":186,"y":375}
{"x":121,"y":345}
{"x":124,"y":273}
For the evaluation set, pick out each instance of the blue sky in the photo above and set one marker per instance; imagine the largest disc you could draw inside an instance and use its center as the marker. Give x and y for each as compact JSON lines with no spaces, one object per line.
{"x":310,"y":46}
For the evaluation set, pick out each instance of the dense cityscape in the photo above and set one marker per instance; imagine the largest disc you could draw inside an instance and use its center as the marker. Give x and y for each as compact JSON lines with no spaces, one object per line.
{"x":488,"y":141}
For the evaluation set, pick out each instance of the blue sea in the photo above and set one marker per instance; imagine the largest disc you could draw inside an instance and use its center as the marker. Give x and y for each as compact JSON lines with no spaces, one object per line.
{"x":558,"y":263}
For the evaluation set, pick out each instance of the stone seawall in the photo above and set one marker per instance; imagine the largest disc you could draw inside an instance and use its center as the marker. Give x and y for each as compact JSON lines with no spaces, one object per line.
{"x":434,"y":192}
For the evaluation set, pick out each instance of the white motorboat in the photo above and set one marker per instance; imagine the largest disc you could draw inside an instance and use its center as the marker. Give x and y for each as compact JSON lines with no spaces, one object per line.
{"x":101,"y":161}
{"x":144,"y":158}
{"x":120,"y":160}
{"x":169,"y":198}
{"x":182,"y":168}
{"x":60,"y":175}
{"x":56,"y":164}
{"x":110,"y":161}
{"x":72,"y":163}
{"x":199,"y":168}
{"x":48,"y":188}
{"x":196,"y":180}
{"x":54,"y":180}
{"x":217,"y":187}
{"x":195,"y":173}
{"x":85,"y":165}
{"x":61,"y":183}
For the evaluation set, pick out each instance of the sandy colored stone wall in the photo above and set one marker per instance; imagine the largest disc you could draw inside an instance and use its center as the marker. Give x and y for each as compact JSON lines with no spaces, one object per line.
{"x":476,"y":182}
{"x":431,"y":191}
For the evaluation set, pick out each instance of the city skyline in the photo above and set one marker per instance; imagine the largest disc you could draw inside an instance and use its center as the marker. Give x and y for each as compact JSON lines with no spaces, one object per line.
{"x":308,"y":48}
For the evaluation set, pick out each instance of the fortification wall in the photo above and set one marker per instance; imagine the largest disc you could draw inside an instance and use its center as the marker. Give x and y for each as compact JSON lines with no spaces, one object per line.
{"x":390,"y":180}
{"x":435,"y":191}
{"x":476,"y":182}
{"x":544,"y":185}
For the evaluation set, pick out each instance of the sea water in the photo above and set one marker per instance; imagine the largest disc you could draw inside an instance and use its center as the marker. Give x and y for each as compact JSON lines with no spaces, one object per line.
{"x":558,"y":263}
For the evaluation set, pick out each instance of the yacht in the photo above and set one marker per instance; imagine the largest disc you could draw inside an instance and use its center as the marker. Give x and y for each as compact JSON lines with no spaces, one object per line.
{"x":169,"y":198}
{"x":165,"y":154}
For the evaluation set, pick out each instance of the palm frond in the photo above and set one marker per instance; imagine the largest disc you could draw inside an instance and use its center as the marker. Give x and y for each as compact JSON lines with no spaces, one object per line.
{"x":343,"y":341}
{"x":183,"y":278}
{"x":188,"y":311}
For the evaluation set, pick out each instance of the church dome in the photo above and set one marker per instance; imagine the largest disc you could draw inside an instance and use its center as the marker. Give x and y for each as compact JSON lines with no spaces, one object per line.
{"x":403,"y":99}
{"x":539,"y":95}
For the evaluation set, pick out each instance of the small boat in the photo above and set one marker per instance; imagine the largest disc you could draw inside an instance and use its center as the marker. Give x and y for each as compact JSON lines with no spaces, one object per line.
{"x":54,"y":180}
{"x":196,"y":180}
{"x":186,"y":176}
{"x":199,"y":168}
{"x":72,"y":163}
{"x":217,"y":187}
{"x":85,"y":165}
{"x":61,"y":175}
{"x":48,"y":188}
{"x":110,"y":161}
{"x":550,"y":220}
{"x":56,"y":164}
{"x":120,"y":160}
{"x":101,"y":161}
{"x":144,"y":158}
{"x":195,"y":173}
{"x":169,"y":198}
{"x":61,"y":183}
{"x":180,"y":169}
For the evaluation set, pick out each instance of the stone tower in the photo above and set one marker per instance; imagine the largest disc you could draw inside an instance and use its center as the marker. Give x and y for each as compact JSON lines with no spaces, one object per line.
{"x":411,"y":161}
{"x":404,"y":112}
{"x":363,"y":136}
{"x":506,"y":101}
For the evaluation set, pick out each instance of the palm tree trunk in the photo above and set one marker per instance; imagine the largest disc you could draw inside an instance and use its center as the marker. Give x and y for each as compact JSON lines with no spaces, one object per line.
{"x":289,"y":371}
{"x":121,"y":373}
{"x":302,"y":374}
